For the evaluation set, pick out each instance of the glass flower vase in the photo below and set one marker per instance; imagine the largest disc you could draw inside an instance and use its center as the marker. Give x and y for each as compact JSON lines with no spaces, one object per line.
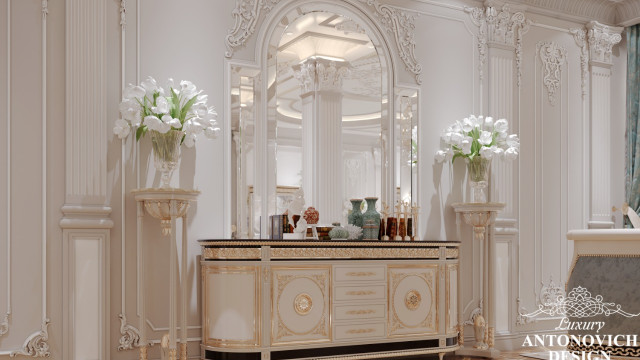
{"x":478,"y":175}
{"x":166,"y":154}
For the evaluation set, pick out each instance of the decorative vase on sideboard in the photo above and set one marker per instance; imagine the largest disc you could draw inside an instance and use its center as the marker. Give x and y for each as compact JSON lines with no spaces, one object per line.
{"x":371,"y":220}
{"x":355,"y":218}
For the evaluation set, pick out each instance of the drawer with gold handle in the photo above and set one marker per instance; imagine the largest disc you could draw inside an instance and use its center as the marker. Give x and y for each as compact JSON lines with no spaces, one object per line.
{"x":371,"y":292}
{"x":359,"y":273}
{"x":353,"y":312}
{"x":350,"y":331}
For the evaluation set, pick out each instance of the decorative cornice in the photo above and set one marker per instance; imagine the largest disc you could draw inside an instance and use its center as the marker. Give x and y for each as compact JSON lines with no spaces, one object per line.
{"x":36,"y":344}
{"x":601,"y":40}
{"x":499,"y":27}
{"x":130,"y":335}
{"x":580,"y":35}
{"x":553,"y":57}
{"x":401,"y":25}
{"x":4,"y":325}
{"x":246,"y":15}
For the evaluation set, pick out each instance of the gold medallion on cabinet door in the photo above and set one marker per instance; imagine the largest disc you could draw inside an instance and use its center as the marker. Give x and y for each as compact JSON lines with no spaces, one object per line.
{"x":303,"y":304}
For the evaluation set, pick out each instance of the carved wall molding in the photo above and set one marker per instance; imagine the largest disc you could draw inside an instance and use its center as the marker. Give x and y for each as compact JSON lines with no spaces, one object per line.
{"x":521,"y":319}
{"x":553,"y":56}
{"x":399,"y":23}
{"x":123,"y":16}
{"x":499,"y":27}
{"x":4,"y":324}
{"x":601,"y":40}
{"x":130,"y":335}
{"x":402,"y":25}
{"x":580,"y":35}
{"x":36,"y":345}
{"x":474,"y":313}
{"x":246,"y":15}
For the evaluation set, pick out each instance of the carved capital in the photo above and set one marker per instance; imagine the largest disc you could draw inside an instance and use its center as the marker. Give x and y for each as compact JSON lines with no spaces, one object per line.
{"x":318,"y":75}
{"x":601,"y":39}
{"x":501,"y":27}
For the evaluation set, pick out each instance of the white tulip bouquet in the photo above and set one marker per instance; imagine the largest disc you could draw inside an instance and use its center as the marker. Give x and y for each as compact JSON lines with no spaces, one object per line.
{"x":477,"y":136}
{"x":151,"y":107}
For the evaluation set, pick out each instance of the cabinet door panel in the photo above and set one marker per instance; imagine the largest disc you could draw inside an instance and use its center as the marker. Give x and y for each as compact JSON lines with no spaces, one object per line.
{"x":300,"y":308}
{"x":413,"y":300}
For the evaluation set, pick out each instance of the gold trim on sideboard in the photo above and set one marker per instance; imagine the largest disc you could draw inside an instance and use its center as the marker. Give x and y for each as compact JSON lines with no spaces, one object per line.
{"x":232,"y":253}
{"x":409,"y":244}
{"x":354,"y":253}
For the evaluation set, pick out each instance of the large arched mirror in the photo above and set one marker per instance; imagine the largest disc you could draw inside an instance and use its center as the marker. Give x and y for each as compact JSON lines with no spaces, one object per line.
{"x":321,"y":113}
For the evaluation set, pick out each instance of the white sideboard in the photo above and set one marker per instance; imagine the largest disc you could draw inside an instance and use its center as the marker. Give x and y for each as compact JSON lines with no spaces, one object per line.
{"x":272,"y":300}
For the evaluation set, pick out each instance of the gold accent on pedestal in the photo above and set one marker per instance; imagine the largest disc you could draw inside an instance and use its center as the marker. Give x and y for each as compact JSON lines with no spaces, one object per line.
{"x":183,"y":351}
{"x":460,"y":335}
{"x":143,"y":353}
{"x":412,"y":300}
{"x":490,"y":340}
{"x":172,"y":354}
{"x":303,"y":304}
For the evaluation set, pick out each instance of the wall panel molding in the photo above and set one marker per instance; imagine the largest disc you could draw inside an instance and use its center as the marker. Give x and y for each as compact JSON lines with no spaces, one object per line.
{"x":4,"y":321}
{"x":86,"y":221}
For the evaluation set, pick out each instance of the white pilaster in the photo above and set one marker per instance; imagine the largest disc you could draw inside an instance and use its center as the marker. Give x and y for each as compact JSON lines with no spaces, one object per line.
{"x":601,"y":40}
{"x":86,"y":221}
{"x":321,"y":84}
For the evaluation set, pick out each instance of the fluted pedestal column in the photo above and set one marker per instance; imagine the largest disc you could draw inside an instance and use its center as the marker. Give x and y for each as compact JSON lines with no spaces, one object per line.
{"x":322,"y":163}
{"x":601,"y":39}
{"x":482,"y":216}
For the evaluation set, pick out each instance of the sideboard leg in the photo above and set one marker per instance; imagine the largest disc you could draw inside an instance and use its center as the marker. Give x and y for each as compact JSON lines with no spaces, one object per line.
{"x":441,"y":355}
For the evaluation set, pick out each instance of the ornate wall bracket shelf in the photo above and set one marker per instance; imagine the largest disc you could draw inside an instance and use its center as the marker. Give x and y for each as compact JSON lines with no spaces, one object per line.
{"x":481,"y":216}
{"x":167,"y":205}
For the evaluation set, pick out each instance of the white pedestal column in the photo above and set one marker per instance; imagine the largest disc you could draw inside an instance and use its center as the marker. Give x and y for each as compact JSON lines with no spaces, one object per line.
{"x":601,"y":40}
{"x":322,"y":163}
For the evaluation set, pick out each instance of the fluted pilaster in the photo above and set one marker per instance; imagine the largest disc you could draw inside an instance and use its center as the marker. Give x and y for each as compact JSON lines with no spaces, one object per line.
{"x":321,"y":94}
{"x":601,"y":40}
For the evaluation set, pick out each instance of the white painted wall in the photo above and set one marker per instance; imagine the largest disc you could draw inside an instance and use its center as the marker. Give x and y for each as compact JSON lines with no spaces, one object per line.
{"x":185,"y":40}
